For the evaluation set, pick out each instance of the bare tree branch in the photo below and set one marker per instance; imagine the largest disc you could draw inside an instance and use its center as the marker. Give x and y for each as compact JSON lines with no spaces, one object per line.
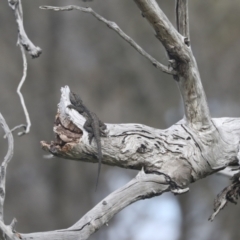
{"x":26,"y":128}
{"x":135,"y":145}
{"x":188,"y":77}
{"x":24,"y":43}
{"x":228,"y":194}
{"x":178,"y":153}
{"x":182,"y":19}
{"x":7,"y":232}
{"x":8,"y":133}
{"x":227,"y":172}
{"x":142,"y":187}
{"x":119,"y":31}
{"x":5,"y":162}
{"x":23,"y":39}
{"x":169,"y":160}
{"x":165,"y":31}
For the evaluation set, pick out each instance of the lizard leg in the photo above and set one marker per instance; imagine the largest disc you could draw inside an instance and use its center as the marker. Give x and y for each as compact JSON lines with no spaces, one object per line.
{"x":88,"y":127}
{"x":77,"y":108}
{"x":102,"y":128}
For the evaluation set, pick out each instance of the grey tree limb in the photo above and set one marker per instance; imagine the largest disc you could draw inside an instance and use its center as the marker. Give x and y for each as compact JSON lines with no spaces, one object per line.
{"x":6,"y":231}
{"x":23,"y":39}
{"x":24,"y":43}
{"x":170,"y":159}
{"x":9,"y":136}
{"x":25,"y":127}
{"x":181,"y":59}
{"x":214,"y":145}
{"x":178,"y":153}
{"x":137,"y":146}
{"x":5,"y":162}
{"x":182,"y":19}
{"x":180,"y":54}
{"x":141,"y":187}
{"x":118,"y":30}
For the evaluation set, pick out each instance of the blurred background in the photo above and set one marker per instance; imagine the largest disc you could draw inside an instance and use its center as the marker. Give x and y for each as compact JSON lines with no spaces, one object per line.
{"x":121,"y":87}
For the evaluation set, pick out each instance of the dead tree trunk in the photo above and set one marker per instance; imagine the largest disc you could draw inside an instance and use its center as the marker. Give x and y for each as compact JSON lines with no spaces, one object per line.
{"x":168,"y":160}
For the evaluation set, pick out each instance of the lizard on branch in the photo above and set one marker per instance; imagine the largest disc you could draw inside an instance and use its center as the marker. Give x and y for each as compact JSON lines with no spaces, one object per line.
{"x":95,"y":127}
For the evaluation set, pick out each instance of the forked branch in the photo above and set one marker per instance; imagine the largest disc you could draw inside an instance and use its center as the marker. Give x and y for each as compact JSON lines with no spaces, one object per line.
{"x":182,"y":62}
{"x":6,"y":231}
{"x":4,"y":164}
{"x":119,"y":31}
{"x":170,"y":159}
{"x":25,"y":43}
{"x":188,"y":77}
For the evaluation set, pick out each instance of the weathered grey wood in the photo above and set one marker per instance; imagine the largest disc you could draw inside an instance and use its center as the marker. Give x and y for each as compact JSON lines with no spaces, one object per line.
{"x":137,"y":146}
{"x":169,"y":159}
{"x":189,"y":82}
{"x":6,"y":160}
{"x":182,"y":19}
{"x":6,"y":232}
{"x":25,"y":44}
{"x":194,"y":148}
{"x":141,"y":187}
{"x":23,"y":40}
{"x":179,"y":152}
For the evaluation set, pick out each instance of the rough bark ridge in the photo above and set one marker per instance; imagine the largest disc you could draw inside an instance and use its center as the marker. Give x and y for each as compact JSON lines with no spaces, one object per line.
{"x":169,"y":159}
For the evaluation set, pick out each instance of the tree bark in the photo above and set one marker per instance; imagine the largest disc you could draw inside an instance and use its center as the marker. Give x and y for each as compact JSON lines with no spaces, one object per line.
{"x":169,"y":159}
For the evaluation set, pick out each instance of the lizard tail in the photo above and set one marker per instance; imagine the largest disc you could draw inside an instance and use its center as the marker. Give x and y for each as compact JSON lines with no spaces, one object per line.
{"x":99,"y":163}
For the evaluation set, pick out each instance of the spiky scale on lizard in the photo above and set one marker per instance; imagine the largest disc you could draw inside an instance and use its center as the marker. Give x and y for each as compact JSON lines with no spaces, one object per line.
{"x":95,"y":127}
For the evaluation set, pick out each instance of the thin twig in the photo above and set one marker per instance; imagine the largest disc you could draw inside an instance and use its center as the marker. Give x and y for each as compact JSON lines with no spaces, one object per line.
{"x":8,"y":133}
{"x":118,"y":30}
{"x":5,"y":162}
{"x":182,"y":19}
{"x":24,"y":43}
{"x":20,"y":94}
{"x":23,"y":39}
{"x":8,"y":232}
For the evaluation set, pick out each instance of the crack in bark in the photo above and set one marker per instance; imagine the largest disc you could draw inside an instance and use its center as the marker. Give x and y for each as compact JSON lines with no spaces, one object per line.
{"x":220,"y":133}
{"x":197,"y":145}
{"x":179,"y":136}
{"x":75,"y":230}
{"x":131,"y":134}
{"x":172,"y":184}
{"x":192,"y":168}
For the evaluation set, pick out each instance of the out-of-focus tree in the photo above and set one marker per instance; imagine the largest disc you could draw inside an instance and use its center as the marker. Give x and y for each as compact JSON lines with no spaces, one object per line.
{"x":46,"y":194}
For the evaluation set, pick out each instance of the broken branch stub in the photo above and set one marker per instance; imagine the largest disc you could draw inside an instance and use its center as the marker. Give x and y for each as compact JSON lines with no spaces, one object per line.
{"x":178,"y":152}
{"x":228,"y":194}
{"x":23,"y":40}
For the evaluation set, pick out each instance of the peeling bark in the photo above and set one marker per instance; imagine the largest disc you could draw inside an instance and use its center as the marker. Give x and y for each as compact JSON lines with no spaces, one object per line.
{"x":137,"y":146}
{"x":169,"y":159}
{"x":178,"y":155}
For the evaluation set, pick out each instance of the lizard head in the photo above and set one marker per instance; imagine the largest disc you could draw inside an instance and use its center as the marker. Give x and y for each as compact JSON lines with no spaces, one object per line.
{"x":75,"y":99}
